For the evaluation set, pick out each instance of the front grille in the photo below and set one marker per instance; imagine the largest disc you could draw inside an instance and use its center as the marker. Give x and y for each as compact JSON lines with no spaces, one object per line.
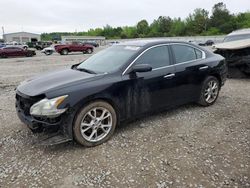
{"x":25,"y":103}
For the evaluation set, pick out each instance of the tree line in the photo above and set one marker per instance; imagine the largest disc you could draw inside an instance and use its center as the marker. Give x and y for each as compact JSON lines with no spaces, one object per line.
{"x":199,"y":22}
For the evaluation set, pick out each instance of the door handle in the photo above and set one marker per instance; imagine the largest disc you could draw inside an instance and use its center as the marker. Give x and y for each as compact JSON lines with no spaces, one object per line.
{"x":169,"y":75}
{"x":203,"y":68}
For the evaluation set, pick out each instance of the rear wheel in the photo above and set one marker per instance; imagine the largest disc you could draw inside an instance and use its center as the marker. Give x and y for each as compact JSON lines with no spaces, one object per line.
{"x":29,"y":54}
{"x":95,"y":124}
{"x":64,"y":52}
{"x":3,"y":56}
{"x":209,"y":91}
{"x":89,"y":51}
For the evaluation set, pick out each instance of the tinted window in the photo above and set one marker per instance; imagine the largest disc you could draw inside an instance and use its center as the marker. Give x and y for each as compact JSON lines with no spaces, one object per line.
{"x":183,"y":53}
{"x":156,"y":57}
{"x":198,"y":54}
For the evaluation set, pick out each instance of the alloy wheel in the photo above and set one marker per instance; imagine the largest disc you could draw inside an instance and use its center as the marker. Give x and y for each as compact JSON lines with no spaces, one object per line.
{"x":96,"y":124}
{"x":211,"y":91}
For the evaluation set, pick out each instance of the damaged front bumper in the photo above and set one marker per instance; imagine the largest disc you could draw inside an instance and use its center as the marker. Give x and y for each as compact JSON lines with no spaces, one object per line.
{"x":58,"y":130}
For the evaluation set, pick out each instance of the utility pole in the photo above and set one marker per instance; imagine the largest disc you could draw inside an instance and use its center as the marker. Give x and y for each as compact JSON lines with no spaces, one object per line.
{"x":3,"y":31}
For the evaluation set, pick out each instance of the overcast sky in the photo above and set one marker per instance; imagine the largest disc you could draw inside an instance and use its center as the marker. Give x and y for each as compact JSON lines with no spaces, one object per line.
{"x":71,"y":15}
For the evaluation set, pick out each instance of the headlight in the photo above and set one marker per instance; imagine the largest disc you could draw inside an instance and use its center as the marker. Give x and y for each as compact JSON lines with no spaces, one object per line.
{"x":48,"y":107}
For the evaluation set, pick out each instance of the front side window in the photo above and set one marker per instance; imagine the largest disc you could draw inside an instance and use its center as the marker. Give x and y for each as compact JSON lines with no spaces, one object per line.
{"x":185,"y":53}
{"x":156,"y":57}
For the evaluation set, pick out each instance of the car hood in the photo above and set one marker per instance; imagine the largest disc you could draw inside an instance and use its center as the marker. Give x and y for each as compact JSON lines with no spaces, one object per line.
{"x":55,"y":80}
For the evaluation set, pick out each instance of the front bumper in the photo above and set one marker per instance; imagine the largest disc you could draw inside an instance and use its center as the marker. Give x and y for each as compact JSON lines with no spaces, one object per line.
{"x":60,"y":127}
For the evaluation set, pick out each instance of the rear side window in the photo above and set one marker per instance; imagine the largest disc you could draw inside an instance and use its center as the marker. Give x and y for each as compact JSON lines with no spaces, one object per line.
{"x":183,"y":53}
{"x":156,"y":57}
{"x":198,"y":54}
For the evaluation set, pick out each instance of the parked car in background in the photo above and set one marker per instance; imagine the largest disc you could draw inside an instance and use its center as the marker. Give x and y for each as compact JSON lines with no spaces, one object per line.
{"x":122,"y":82}
{"x":41,"y":45}
{"x":49,"y":50}
{"x":236,"y":50}
{"x":17,"y":44}
{"x":207,"y":43}
{"x":240,"y":34}
{"x":95,"y":44}
{"x":15,"y":52}
{"x":2,"y":45}
{"x":113,"y":43}
{"x":64,"y":49}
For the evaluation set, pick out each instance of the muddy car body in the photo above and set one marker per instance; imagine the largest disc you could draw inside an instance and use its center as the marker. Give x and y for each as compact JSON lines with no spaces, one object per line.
{"x":141,"y":78}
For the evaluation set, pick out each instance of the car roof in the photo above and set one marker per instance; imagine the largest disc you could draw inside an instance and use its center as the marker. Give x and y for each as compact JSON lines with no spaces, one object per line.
{"x":144,"y":43}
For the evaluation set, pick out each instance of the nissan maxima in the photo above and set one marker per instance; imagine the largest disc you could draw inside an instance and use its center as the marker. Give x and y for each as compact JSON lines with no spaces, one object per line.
{"x":129,"y":80}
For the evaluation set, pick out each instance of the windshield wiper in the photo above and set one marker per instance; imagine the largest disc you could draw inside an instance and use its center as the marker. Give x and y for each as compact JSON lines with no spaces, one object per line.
{"x":86,"y":70}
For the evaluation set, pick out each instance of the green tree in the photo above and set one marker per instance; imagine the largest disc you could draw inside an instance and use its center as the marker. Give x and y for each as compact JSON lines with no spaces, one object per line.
{"x":178,"y":28}
{"x":222,"y":19}
{"x":197,"y":22}
{"x":142,"y":28}
{"x":243,"y":20}
{"x":165,"y":24}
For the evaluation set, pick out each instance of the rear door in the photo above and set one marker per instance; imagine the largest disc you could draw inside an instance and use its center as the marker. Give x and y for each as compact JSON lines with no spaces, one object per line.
{"x":191,"y":69}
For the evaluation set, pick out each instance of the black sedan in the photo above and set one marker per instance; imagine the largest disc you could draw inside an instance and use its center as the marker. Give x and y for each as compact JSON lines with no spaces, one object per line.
{"x":126,"y":81}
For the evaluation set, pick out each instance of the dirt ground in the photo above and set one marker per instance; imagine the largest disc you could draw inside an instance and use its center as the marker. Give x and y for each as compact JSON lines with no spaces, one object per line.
{"x":190,"y":146}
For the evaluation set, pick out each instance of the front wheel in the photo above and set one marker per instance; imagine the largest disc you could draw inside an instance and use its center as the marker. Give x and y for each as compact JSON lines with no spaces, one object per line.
{"x":95,"y":124}
{"x":64,"y":52}
{"x":209,"y":91}
{"x":49,"y":52}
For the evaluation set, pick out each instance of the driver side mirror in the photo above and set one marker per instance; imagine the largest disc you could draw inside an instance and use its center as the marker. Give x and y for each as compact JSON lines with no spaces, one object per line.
{"x":141,"y":68}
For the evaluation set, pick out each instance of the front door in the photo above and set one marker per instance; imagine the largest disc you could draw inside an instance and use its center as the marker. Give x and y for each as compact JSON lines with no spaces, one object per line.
{"x":152,"y":90}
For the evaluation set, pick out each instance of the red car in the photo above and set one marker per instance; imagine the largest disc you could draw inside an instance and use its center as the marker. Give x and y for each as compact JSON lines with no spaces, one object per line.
{"x":64,"y":49}
{"x":15,"y":52}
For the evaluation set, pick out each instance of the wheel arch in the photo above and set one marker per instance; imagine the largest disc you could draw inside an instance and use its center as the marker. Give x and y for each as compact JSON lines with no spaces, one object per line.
{"x":81,"y":104}
{"x":217,"y":75}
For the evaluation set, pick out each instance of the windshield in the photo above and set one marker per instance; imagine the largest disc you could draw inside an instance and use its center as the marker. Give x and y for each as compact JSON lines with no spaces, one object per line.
{"x":110,"y":59}
{"x":236,"y":37}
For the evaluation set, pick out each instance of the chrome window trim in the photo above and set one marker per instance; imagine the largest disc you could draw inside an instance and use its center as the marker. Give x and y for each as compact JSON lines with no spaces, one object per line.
{"x":158,"y":45}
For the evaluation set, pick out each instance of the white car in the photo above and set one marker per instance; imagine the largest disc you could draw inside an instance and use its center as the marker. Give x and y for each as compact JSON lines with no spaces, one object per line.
{"x":49,"y":50}
{"x":17,"y":44}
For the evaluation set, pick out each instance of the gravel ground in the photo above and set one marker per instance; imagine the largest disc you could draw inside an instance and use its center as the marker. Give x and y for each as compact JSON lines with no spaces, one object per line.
{"x":189,"y":146}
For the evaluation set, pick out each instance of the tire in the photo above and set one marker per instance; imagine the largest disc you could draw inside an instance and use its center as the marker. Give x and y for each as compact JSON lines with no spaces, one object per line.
{"x":210,"y":87}
{"x":3,"y":56}
{"x":30,"y":54}
{"x":48,"y":52}
{"x":89,"y":51}
{"x":64,"y":52}
{"x":25,"y":47}
{"x":89,"y":123}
